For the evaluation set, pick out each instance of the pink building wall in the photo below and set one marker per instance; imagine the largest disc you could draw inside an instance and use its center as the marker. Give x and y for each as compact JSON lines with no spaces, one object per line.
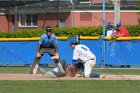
{"x":127,"y":18}
{"x":80,"y":19}
{"x":3,"y":23}
{"x":52,"y":19}
{"x":96,"y":20}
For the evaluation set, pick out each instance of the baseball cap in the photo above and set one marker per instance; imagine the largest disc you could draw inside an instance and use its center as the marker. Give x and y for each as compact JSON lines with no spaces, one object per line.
{"x":48,"y":29}
{"x":118,"y":24}
{"x":73,"y":42}
{"x":110,"y":24}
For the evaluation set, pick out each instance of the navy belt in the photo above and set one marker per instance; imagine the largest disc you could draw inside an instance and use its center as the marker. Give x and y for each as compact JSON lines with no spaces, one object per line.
{"x":90,"y":59}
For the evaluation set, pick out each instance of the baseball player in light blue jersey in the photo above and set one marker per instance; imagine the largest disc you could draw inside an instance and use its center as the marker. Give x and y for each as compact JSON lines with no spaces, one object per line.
{"x":47,"y":44}
{"x":82,"y":54}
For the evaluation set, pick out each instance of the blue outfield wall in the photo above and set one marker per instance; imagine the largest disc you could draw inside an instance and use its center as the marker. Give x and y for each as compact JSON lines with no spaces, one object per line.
{"x":123,"y":52}
{"x":24,"y":52}
{"x":116,"y":52}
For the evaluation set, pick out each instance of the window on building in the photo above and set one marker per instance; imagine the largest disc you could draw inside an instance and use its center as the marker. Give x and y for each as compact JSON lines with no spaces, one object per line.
{"x":28,"y":20}
{"x":62,"y":23}
{"x":85,"y":16}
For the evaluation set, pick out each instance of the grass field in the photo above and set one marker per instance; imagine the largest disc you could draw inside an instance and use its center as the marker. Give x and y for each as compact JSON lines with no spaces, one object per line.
{"x":68,"y":86}
{"x":71,"y":86}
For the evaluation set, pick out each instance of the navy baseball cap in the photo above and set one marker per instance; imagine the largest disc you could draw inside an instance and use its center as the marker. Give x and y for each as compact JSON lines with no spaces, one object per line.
{"x":110,"y":24}
{"x":48,"y":29}
{"x":118,"y":24}
{"x":73,"y":42}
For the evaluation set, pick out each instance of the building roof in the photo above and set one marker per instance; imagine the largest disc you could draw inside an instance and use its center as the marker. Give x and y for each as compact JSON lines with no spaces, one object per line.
{"x":19,"y":3}
{"x":37,"y":6}
{"x":13,"y":3}
{"x":43,"y":6}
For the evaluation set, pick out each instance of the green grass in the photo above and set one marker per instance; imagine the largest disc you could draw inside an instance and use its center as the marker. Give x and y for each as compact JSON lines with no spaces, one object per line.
{"x":101,"y":71}
{"x":21,"y":70}
{"x":69,"y":86}
{"x":118,"y":71}
{"x":14,"y":69}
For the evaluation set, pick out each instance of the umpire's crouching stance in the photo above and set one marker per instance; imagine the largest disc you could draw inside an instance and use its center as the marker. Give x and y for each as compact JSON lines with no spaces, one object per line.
{"x":47,"y":44}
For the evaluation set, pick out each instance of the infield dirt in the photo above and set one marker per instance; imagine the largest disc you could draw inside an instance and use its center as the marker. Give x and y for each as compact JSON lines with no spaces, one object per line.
{"x":41,"y":77}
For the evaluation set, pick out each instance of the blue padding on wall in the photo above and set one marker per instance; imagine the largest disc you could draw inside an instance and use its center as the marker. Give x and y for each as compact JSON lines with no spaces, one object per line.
{"x":65,"y":51}
{"x":24,"y":52}
{"x":17,"y":52}
{"x":117,"y":52}
{"x":123,"y":52}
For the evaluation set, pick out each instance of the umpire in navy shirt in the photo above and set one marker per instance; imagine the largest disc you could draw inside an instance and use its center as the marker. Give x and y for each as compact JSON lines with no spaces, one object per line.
{"x":47,"y":44}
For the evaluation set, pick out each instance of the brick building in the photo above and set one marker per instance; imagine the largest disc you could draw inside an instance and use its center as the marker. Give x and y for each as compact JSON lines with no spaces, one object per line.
{"x":32,"y":14}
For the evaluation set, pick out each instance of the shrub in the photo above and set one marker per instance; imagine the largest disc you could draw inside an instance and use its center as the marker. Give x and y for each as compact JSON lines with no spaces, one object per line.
{"x":66,"y":31}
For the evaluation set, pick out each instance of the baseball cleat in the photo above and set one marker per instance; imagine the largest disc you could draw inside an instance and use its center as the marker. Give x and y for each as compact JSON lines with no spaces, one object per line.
{"x":102,"y":76}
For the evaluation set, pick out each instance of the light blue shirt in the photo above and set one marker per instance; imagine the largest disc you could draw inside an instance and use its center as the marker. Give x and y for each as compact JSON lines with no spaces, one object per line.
{"x":47,"y":42}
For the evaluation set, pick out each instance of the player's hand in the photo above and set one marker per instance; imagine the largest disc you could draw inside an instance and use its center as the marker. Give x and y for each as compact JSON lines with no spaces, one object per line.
{"x":38,"y":54}
{"x":56,"y":56}
{"x":113,"y":36}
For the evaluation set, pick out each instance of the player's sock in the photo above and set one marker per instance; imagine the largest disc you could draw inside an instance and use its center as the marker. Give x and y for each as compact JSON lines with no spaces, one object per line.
{"x":94,"y":75}
{"x":59,"y":65}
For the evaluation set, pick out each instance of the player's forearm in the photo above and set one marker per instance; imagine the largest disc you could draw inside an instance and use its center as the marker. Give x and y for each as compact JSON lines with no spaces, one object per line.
{"x":119,"y":35}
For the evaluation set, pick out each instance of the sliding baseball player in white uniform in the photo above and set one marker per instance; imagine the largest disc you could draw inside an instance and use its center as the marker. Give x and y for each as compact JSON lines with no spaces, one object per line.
{"x":55,"y":72}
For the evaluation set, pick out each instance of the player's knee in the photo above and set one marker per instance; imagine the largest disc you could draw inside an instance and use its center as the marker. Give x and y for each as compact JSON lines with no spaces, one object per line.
{"x":56,"y":60}
{"x":86,"y":75}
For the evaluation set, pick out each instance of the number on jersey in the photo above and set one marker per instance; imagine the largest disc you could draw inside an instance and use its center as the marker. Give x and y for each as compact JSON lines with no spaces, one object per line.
{"x":84,"y":48}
